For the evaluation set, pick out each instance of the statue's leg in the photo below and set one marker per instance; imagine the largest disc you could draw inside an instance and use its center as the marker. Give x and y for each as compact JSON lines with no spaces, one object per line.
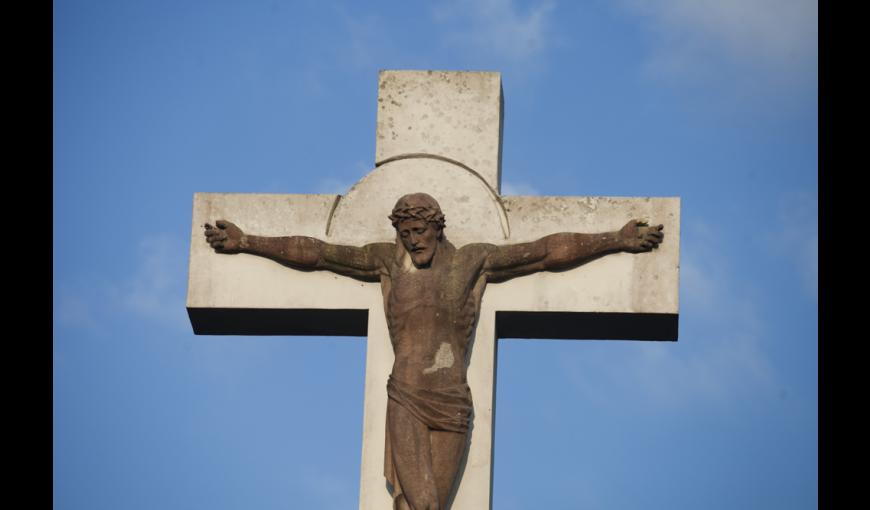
{"x":447,"y":451}
{"x":412,"y":458}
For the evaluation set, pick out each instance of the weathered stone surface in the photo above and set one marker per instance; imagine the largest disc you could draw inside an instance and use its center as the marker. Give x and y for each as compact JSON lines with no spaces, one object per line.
{"x":619,"y":283}
{"x":438,"y":132}
{"x":450,"y":114}
{"x":474,"y":211}
{"x":245,"y":281}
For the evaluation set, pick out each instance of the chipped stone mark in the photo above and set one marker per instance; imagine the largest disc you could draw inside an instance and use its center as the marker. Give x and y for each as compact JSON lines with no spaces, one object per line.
{"x":443,"y":359}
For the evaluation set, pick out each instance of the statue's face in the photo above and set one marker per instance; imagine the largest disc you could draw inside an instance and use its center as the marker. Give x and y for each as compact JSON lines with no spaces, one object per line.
{"x":420,"y":240}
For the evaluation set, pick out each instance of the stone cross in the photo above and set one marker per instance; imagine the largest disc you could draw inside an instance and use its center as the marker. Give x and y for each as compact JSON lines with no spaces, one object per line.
{"x":438,"y":133}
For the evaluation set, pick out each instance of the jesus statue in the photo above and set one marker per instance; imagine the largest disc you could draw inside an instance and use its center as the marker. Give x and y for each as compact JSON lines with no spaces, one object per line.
{"x":432,"y":293}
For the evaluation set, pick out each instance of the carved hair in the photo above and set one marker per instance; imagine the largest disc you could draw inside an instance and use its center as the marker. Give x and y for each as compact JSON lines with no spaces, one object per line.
{"x":417,"y":206}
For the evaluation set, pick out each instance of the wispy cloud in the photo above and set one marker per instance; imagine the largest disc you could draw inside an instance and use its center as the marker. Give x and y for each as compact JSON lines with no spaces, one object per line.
{"x":341,"y":185}
{"x":331,"y":492}
{"x":75,"y":309}
{"x":797,"y":237}
{"x":777,"y":38}
{"x":331,"y":185}
{"x":365,"y":41}
{"x":518,"y":188}
{"x":155,"y":291}
{"x":497,"y":27}
{"x":719,"y":358}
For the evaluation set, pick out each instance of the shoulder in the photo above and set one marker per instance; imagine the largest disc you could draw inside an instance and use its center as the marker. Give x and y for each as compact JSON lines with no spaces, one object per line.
{"x":476,"y":252}
{"x":382,"y":251}
{"x":380,"y":247}
{"x":383,"y":254}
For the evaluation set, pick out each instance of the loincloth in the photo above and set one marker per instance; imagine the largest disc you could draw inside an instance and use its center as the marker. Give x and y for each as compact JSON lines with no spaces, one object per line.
{"x":447,"y":408}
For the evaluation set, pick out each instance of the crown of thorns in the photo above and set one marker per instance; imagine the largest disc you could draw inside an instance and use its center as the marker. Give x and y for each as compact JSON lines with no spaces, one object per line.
{"x":428,"y":214}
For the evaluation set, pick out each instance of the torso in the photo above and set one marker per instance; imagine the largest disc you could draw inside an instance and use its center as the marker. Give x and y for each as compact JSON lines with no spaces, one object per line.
{"x":431,"y":314}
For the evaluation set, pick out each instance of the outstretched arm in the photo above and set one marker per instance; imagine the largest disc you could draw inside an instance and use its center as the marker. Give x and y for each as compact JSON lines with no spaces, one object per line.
{"x":300,"y":252}
{"x":567,"y":250}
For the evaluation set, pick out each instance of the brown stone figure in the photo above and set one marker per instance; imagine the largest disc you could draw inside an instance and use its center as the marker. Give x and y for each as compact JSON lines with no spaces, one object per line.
{"x":432,"y":293}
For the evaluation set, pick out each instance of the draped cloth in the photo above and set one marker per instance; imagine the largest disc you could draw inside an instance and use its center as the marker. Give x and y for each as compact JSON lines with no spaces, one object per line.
{"x":447,"y":408}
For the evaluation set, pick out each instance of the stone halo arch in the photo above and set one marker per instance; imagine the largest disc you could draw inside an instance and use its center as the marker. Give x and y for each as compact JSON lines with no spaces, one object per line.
{"x":474,"y":210}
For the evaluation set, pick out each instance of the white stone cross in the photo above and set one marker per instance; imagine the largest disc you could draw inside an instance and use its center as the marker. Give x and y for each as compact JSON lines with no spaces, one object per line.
{"x":437,"y":133}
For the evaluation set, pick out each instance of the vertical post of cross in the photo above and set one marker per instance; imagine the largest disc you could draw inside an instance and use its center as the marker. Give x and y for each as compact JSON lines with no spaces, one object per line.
{"x":454,"y":117}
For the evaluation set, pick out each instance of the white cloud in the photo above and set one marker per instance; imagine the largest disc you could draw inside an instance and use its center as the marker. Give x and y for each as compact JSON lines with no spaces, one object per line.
{"x":778,"y":37}
{"x":719,"y":357}
{"x":797,"y":238}
{"x":340,"y":186}
{"x":497,"y":27}
{"x":155,"y":290}
{"x":518,"y":188}
{"x":365,"y":42}
{"x":364,"y":35}
{"x":330,"y":185}
{"x":331,"y":492}
{"x":75,"y":310}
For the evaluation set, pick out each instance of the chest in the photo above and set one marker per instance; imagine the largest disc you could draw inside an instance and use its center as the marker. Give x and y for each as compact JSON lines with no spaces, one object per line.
{"x":446,"y":286}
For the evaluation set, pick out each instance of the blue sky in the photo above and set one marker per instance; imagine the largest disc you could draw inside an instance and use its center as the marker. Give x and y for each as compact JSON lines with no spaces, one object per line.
{"x":714,"y":102}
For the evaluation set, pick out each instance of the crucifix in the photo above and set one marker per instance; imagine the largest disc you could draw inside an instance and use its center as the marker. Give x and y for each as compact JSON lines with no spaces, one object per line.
{"x":432,"y":308}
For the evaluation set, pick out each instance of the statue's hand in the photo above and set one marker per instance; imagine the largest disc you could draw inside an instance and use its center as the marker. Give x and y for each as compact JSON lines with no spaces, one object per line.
{"x":225,"y":237}
{"x":637,"y":236}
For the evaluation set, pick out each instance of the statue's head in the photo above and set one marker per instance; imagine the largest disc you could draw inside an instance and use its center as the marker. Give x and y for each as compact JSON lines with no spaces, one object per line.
{"x":419,"y":225}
